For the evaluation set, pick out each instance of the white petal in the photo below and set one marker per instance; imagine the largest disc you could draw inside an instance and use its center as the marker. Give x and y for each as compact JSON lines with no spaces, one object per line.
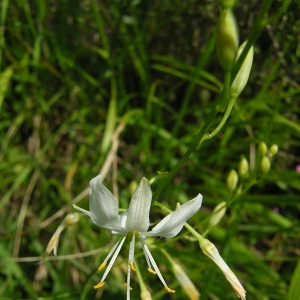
{"x":173,"y":223}
{"x":138,"y":211}
{"x":122,"y":221}
{"x":103,"y":206}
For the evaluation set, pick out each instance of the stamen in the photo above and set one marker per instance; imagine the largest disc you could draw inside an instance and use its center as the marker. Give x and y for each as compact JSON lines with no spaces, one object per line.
{"x":169,"y":290}
{"x":120,"y":244}
{"x":99,"y":285}
{"x":131,"y":266}
{"x":125,"y":284}
{"x":147,"y":251}
{"x":151,"y":271}
{"x":102,"y":266}
{"x":146,"y":255}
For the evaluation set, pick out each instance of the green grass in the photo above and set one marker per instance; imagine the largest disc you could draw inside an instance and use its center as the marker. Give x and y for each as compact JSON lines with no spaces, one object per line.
{"x":80,"y":80}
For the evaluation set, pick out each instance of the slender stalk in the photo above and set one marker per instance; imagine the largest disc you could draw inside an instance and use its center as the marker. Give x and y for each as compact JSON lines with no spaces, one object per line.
{"x":224,"y":119}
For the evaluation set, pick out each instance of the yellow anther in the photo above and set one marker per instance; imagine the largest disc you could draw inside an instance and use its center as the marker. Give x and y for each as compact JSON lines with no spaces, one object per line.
{"x":99,"y":285}
{"x":131,"y":266}
{"x":125,"y":284}
{"x":102,"y":266}
{"x":169,"y":290}
{"x":151,"y":271}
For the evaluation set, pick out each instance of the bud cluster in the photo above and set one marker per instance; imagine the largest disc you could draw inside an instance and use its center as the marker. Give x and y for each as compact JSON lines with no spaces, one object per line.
{"x":266,"y":154}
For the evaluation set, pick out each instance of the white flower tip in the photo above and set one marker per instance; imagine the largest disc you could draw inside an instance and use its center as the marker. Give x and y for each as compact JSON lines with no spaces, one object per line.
{"x":236,"y":285}
{"x":210,"y":250}
{"x":94,"y":183}
{"x":185,"y":282}
{"x":145,"y":183}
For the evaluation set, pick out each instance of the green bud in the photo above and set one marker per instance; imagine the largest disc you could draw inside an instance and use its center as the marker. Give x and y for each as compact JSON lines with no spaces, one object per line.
{"x":242,"y":76}
{"x":273,"y":149}
{"x":243,"y":167}
{"x":217,"y":214}
{"x":232,"y":180}
{"x":71,"y":219}
{"x":132,"y":186}
{"x":262,"y":148}
{"x":265,"y":164}
{"x":227,"y":39}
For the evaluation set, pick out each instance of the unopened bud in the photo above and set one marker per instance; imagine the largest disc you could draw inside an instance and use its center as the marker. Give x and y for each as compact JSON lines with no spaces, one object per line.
{"x":185,"y":282}
{"x":145,"y":295}
{"x":217,"y":214}
{"x":273,"y":149}
{"x":242,"y":76}
{"x":265,"y":164}
{"x":262,"y":148}
{"x":227,"y":39}
{"x":132,"y":186}
{"x":243,"y":167}
{"x":232,"y":180}
{"x":71,"y":219}
{"x":210,"y":250}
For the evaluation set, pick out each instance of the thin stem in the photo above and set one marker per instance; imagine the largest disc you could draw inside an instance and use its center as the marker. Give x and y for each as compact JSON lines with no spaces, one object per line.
{"x":224,"y":119}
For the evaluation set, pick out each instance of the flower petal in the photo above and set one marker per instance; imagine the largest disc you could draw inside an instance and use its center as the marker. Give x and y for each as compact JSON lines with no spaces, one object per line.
{"x":103,"y":206}
{"x":173,"y":223}
{"x":138,"y":211}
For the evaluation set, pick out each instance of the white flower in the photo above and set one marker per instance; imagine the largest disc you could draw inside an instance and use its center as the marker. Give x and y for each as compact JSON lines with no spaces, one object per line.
{"x":134,"y":222}
{"x":210,"y":250}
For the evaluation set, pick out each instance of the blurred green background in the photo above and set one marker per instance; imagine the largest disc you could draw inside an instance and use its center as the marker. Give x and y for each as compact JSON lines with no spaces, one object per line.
{"x":73,"y":71}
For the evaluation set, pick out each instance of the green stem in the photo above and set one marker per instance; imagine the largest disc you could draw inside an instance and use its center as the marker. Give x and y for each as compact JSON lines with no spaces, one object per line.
{"x":224,"y":99}
{"x":198,"y":236}
{"x":140,"y":278}
{"x":224,"y":119}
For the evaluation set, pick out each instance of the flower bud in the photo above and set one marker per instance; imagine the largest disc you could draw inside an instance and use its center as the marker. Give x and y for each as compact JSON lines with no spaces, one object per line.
{"x":210,"y":250}
{"x":242,"y":76}
{"x":217,"y":214}
{"x":232,"y":180}
{"x":243,"y":167}
{"x":265,"y":164}
{"x":185,"y":282}
{"x":227,"y":39}
{"x":262,"y":148}
{"x":145,"y":295}
{"x":273,"y":149}
{"x":71,"y":219}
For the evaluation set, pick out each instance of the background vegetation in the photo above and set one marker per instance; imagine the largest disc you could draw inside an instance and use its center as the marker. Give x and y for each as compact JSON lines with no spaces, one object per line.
{"x":72,"y":72}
